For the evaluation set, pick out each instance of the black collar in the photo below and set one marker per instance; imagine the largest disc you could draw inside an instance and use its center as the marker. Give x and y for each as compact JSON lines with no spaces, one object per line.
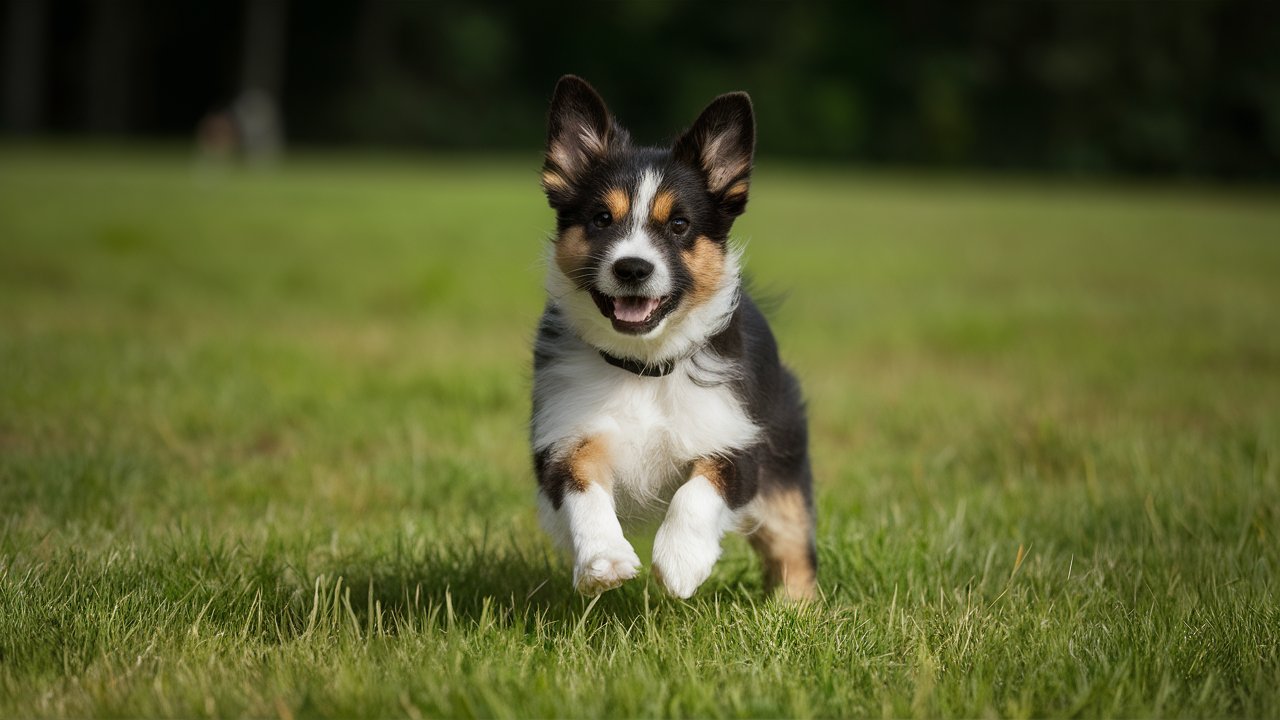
{"x":636,"y":367}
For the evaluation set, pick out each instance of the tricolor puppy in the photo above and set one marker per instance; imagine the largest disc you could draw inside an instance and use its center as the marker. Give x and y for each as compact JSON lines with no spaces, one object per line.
{"x":656,"y":378}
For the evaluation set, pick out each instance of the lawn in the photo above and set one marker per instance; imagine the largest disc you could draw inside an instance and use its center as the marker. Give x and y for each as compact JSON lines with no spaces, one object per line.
{"x":263,"y":450}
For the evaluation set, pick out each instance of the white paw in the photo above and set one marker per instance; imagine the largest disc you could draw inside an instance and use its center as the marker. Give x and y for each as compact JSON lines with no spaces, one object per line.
{"x":683,"y":561}
{"x":605,"y":569}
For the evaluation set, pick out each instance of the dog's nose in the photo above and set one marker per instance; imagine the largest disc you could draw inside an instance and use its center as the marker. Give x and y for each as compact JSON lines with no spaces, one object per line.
{"x":632,"y":269}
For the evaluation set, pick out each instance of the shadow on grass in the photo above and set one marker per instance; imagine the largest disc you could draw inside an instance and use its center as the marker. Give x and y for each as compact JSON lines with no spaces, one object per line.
{"x":190,"y":585}
{"x":481,"y":583}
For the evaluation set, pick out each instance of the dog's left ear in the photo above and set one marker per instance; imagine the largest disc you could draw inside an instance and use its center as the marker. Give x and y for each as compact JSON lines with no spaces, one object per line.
{"x":722,"y":144}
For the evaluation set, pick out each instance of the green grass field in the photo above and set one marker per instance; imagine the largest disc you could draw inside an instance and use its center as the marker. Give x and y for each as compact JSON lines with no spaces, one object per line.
{"x":262,"y":451}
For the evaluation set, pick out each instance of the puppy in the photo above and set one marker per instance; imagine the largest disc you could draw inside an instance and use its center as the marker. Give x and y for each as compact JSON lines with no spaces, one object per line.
{"x":656,"y":378}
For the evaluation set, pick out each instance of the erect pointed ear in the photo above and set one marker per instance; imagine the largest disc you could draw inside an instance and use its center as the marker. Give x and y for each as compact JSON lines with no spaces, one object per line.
{"x":579,"y":133}
{"x":722,"y":144}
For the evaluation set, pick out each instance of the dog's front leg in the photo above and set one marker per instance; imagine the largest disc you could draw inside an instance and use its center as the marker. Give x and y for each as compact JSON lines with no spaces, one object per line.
{"x":687,"y":545}
{"x":586,"y":520}
{"x":602,"y":557}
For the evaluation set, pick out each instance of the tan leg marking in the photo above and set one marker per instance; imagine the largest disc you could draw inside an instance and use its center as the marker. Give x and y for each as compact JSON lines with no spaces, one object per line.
{"x":572,"y":251}
{"x":589,"y":462}
{"x":618,"y":203}
{"x":783,"y":542}
{"x":706,"y":263}
{"x":714,"y":469}
{"x":662,"y":204}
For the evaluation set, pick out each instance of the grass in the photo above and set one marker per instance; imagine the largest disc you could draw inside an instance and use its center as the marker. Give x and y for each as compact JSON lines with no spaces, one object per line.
{"x":262,"y":451}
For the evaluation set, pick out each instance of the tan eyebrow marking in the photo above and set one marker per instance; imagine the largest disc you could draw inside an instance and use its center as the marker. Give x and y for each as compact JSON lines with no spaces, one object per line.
{"x":618,"y":203}
{"x":662,"y":205}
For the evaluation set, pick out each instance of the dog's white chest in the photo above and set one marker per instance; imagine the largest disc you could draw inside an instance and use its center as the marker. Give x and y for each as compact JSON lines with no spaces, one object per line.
{"x":654,"y":427}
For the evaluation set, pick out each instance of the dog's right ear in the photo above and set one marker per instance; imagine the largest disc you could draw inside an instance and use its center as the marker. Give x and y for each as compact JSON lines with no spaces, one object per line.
{"x":579,"y":133}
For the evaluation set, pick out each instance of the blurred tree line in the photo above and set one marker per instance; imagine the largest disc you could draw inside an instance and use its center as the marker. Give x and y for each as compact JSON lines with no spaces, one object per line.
{"x":1179,"y":88}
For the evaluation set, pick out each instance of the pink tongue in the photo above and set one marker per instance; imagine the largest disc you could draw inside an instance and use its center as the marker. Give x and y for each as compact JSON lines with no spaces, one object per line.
{"x":634,"y":309}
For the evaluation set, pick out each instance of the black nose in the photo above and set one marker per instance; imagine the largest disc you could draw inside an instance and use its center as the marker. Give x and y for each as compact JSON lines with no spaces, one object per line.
{"x":633,"y":269}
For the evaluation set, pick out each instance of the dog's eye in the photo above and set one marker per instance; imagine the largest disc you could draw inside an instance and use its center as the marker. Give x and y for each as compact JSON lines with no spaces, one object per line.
{"x":602,"y":220}
{"x":679,"y":226}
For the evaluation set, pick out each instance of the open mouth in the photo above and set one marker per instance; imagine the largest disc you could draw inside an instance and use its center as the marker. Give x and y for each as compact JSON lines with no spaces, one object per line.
{"x":632,"y":314}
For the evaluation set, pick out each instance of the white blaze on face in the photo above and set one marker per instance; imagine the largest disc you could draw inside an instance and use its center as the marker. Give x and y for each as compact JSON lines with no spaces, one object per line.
{"x":638,"y":244}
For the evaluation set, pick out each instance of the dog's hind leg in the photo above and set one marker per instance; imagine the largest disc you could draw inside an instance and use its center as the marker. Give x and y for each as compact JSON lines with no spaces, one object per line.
{"x":784,"y":540}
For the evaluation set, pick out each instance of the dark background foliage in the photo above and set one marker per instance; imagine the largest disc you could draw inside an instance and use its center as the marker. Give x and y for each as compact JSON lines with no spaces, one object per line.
{"x":1159,"y":88}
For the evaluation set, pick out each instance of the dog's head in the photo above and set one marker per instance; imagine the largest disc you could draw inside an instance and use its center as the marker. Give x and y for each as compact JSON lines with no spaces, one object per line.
{"x":642,"y":265}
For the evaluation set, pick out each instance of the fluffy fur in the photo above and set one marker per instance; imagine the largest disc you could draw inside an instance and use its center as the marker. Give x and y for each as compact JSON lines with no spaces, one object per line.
{"x":656,"y":379}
